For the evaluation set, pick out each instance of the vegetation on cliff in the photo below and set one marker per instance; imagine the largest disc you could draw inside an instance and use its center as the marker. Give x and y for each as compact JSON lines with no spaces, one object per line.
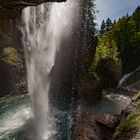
{"x":131,"y":124}
{"x":119,"y":41}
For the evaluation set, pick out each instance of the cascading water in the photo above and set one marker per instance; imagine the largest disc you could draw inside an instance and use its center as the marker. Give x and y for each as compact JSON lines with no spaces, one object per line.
{"x":43,"y":28}
{"x":125,"y":77}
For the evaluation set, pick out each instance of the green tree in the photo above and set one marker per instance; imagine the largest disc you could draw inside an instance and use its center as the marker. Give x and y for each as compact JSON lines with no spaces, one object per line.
{"x":103,"y":27}
{"x":108,"y":24}
{"x":114,"y":22}
{"x":136,"y":18}
{"x":88,"y":38}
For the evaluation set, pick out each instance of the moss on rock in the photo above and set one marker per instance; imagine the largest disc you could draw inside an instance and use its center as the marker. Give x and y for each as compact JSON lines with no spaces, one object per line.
{"x":131,"y":124}
{"x":9,"y":56}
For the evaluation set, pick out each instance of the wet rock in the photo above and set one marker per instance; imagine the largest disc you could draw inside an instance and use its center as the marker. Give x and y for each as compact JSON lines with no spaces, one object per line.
{"x":13,"y":75}
{"x":91,"y":124}
{"x":12,"y":61}
{"x":107,"y":119}
{"x":85,"y":128}
{"x":13,"y":9}
{"x":94,"y":126}
{"x":123,"y":101}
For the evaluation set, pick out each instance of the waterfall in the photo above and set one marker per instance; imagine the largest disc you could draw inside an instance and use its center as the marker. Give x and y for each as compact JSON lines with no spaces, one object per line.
{"x":43,"y":27}
{"x":126,"y":76}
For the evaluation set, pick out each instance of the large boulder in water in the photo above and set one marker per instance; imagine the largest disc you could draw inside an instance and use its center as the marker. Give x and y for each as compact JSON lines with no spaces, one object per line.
{"x":109,"y":72}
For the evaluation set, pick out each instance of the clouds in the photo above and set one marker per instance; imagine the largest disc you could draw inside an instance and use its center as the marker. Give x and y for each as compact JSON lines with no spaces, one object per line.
{"x":114,"y":8}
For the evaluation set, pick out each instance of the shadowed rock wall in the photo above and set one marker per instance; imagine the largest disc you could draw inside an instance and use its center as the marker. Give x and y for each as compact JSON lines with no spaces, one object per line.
{"x":13,"y":9}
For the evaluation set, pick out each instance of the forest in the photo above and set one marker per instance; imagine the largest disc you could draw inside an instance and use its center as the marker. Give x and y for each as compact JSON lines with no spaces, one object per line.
{"x":118,"y":42}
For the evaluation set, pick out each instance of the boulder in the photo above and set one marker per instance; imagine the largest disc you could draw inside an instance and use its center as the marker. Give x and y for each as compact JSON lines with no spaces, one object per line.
{"x":94,"y":126}
{"x":91,"y":124}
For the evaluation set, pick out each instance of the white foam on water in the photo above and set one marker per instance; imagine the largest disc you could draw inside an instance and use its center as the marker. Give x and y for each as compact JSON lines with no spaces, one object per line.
{"x":14,"y":120}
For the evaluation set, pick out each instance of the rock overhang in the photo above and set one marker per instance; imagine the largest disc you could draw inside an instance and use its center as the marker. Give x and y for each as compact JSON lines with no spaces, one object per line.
{"x":13,"y":8}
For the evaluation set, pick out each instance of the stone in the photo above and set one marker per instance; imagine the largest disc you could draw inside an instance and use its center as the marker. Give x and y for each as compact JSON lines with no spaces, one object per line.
{"x":94,"y":126}
{"x":13,"y":9}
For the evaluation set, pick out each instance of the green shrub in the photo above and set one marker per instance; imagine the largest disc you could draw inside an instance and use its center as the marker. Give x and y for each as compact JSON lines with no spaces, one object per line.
{"x":109,"y":72}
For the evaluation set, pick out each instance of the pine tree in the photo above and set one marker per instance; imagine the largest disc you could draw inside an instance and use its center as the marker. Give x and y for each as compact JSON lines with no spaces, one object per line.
{"x":136,"y":18}
{"x":103,"y":26}
{"x":108,"y":24}
{"x":87,"y":33}
{"x":89,"y":17}
{"x":114,"y":22}
{"x":127,"y":15}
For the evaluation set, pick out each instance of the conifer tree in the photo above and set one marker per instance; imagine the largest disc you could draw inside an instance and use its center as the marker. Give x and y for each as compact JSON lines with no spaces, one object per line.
{"x":88,"y":33}
{"x":103,"y":26}
{"x":108,"y":24}
{"x":114,"y":22}
{"x":136,"y":18}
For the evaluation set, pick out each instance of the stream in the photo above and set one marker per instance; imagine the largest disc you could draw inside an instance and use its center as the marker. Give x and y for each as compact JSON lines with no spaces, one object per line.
{"x":16,"y":114}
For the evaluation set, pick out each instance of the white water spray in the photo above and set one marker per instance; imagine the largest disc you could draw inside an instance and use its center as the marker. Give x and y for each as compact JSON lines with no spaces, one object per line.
{"x":43,"y":29}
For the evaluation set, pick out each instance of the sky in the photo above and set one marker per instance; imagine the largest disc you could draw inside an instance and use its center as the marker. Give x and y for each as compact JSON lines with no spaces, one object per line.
{"x":114,"y":9}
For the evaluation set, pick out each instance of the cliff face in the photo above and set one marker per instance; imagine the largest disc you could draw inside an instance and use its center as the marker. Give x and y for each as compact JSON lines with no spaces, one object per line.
{"x":12,"y":63}
{"x":13,"y":9}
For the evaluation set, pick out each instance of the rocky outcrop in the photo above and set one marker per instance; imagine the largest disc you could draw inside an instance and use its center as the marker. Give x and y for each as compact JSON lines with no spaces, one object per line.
{"x":94,"y":126}
{"x":12,"y":63}
{"x":99,"y":122}
{"x":12,"y":72}
{"x":13,"y":9}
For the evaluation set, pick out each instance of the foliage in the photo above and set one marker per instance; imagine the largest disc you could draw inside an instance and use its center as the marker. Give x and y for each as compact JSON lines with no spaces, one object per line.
{"x":121,"y":41}
{"x":127,"y":36}
{"x":9,"y":56}
{"x":108,"y":24}
{"x":107,"y":48}
{"x":87,"y":39}
{"x":131,"y":123}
